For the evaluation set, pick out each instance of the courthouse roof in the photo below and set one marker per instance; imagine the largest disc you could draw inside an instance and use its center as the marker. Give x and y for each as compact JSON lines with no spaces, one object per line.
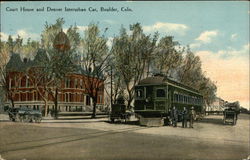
{"x":17,"y":64}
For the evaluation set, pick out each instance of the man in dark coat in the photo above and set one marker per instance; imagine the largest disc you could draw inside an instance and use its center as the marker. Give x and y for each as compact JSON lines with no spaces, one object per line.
{"x":184,"y":118}
{"x":174,"y":115}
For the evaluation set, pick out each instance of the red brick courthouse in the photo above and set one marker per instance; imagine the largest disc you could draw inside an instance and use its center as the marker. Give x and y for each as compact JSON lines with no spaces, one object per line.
{"x":72,"y":95}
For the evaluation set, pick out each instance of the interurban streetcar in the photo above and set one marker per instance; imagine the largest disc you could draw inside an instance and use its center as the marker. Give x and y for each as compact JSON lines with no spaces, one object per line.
{"x":156,"y":96}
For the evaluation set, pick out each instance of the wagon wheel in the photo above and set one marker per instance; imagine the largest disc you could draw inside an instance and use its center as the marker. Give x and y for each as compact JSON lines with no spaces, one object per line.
{"x":21,"y":118}
{"x":224,"y":120}
{"x":32,"y":118}
{"x":127,"y":117}
{"x":38,"y":119}
{"x":27,"y":118}
{"x":35,"y":119}
{"x":234,"y":123}
{"x":18,"y":117}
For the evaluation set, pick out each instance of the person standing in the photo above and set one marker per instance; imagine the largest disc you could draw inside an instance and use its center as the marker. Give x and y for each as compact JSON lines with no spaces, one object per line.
{"x":174,"y":116}
{"x":184,"y":118}
{"x":191,"y":114}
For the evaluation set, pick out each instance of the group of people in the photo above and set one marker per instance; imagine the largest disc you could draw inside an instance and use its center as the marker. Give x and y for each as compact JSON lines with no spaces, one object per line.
{"x":185,"y":115}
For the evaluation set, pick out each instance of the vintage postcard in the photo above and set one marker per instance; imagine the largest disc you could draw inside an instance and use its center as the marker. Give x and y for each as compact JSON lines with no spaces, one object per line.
{"x":124,"y":80}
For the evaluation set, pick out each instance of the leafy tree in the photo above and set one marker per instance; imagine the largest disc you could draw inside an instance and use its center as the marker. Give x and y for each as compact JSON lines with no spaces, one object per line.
{"x":132,"y":57}
{"x":74,"y":37}
{"x":30,"y":49}
{"x":166,"y":56}
{"x":49,"y":33}
{"x":18,"y":45}
{"x":59,"y":65}
{"x":4,"y":58}
{"x":10,"y":43}
{"x":190,"y":73}
{"x":54,"y":64}
{"x":39,"y":78}
{"x":95,"y":62}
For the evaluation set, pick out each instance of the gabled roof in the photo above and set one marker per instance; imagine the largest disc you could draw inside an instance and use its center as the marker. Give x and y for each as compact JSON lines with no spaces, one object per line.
{"x":17,"y":64}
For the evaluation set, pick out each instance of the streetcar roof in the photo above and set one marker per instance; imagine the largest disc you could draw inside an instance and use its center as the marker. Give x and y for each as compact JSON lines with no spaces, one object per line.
{"x":160,"y":80}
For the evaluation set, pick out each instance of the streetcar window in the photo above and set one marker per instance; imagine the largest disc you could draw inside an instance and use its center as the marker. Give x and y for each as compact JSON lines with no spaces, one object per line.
{"x":139,"y":93}
{"x":181,"y":98}
{"x":176,"y":97}
{"x":160,"y":93}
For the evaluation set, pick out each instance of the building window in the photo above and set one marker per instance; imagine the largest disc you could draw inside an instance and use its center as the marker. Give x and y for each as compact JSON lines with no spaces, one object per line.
{"x":87,"y":100}
{"x":81,"y":84}
{"x":10,"y":83}
{"x":66,"y":97}
{"x":82,"y":97}
{"x":76,"y":84}
{"x":100,"y":98}
{"x":19,"y":83}
{"x":160,"y":93}
{"x":76,"y":98}
{"x":68,"y":83}
{"x":35,"y":96}
{"x":27,"y":82}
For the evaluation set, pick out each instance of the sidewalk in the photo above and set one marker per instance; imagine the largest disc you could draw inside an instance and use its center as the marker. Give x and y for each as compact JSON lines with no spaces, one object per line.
{"x":4,"y":117}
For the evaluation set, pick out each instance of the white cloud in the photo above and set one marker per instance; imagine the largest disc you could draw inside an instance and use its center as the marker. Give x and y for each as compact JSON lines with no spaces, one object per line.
{"x":166,"y":28}
{"x":194,"y":45}
{"x":110,"y":41}
{"x":109,"y":21}
{"x":230,"y":73}
{"x":23,"y":33}
{"x":4,"y":36}
{"x":82,"y":28}
{"x":234,"y":36}
{"x":232,"y":52}
{"x":206,"y":37}
{"x":65,"y":30}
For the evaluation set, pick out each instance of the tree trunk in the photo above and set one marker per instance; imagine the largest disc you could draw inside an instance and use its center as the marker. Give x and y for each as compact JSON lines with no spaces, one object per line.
{"x":129,"y":103}
{"x":12,"y":102}
{"x":46,"y":108}
{"x":55,"y":102}
{"x":130,"y":99}
{"x":94,"y":110}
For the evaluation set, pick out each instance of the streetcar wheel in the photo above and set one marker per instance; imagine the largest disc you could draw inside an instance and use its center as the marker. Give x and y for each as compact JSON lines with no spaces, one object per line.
{"x":26,"y":118}
{"x":38,"y":119}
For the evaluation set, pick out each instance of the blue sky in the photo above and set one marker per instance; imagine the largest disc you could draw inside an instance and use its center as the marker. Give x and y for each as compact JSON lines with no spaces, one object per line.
{"x":216,"y":31}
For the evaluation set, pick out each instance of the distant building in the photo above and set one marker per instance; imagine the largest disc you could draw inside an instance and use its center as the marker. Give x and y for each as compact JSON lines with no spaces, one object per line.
{"x":72,"y":95}
{"x":217,"y":105}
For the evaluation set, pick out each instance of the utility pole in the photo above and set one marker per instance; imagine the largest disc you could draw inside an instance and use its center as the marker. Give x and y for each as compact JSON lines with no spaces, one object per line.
{"x":111,"y":86}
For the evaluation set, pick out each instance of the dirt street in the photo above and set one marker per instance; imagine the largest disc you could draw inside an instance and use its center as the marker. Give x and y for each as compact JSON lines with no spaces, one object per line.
{"x":100,"y":140}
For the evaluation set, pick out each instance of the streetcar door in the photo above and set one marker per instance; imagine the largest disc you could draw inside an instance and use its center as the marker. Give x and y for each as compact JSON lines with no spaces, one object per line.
{"x":160,"y":98}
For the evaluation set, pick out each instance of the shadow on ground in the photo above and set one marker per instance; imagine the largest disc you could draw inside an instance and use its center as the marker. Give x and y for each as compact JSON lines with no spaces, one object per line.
{"x":120,"y":122}
{"x":216,"y":121}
